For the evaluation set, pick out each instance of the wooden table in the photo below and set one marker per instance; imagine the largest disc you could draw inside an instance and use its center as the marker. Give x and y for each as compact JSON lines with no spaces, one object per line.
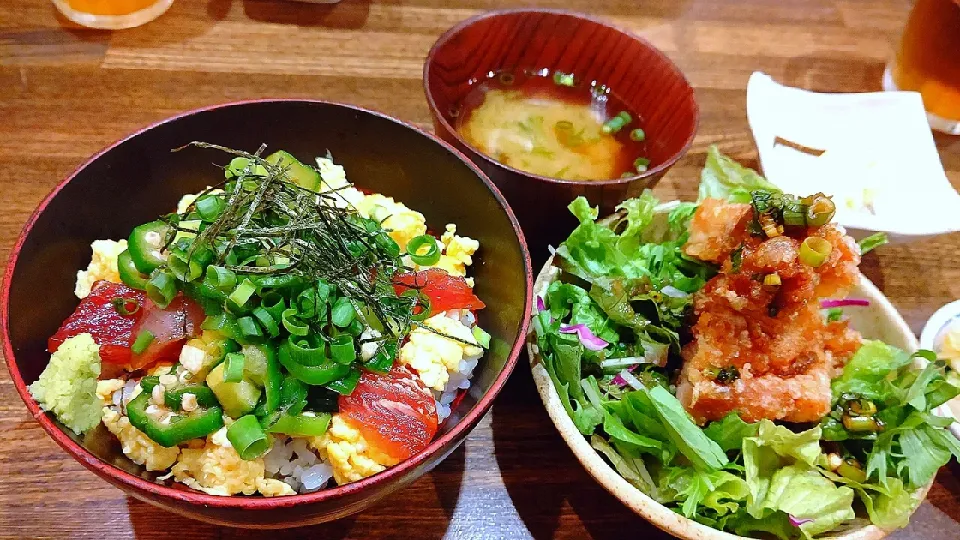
{"x":66,"y":92}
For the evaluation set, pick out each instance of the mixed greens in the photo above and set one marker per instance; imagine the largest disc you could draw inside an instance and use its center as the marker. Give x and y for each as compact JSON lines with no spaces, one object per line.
{"x":609,"y":332}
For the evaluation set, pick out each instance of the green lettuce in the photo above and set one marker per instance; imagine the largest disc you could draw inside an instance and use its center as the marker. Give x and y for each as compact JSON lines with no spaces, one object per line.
{"x":866,"y":372}
{"x":781,"y":476}
{"x":572,"y":303}
{"x":730,"y":431}
{"x":770,"y":450}
{"x":724,"y":178}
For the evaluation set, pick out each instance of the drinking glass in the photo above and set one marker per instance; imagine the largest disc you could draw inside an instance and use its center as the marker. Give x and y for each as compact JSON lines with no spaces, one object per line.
{"x":927,"y":60}
{"x":112,"y":14}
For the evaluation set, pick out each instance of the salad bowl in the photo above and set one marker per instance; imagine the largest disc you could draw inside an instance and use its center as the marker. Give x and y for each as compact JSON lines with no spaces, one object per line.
{"x":880,"y":321}
{"x":138,"y":177}
{"x":724,"y":444}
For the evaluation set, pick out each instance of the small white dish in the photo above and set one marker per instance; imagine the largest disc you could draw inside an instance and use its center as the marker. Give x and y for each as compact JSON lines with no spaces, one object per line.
{"x":873,"y":152}
{"x":931,"y":337}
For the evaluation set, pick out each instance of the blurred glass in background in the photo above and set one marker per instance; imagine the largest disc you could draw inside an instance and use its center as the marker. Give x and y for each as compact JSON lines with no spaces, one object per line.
{"x":112,"y":14}
{"x":928,"y":61}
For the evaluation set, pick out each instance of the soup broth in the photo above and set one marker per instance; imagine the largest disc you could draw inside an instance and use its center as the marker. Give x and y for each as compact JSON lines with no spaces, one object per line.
{"x":552,"y":126}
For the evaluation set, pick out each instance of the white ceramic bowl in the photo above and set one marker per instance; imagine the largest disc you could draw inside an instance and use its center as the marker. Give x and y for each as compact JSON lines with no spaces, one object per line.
{"x":878,"y":321}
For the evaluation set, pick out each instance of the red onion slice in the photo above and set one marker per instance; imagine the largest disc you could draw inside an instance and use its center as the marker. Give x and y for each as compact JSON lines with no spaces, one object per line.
{"x":586,"y":337}
{"x":828,"y":304}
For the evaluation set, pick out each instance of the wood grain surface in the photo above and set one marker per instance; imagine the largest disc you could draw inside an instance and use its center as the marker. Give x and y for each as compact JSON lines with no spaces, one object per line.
{"x":66,"y":92}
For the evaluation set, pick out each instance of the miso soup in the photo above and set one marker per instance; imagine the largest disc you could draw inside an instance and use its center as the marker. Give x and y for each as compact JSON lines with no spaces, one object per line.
{"x":551,"y":125}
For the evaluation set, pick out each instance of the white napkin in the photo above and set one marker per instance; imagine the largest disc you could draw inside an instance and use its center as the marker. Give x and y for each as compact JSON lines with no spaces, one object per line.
{"x":876,"y":156}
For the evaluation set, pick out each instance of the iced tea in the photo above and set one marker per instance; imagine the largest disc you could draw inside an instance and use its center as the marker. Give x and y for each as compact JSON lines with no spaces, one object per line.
{"x":928,"y":60}
{"x":112,"y":14}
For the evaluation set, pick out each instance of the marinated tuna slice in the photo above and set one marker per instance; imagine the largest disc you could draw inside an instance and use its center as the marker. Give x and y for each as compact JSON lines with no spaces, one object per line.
{"x":98,"y":316}
{"x":394,"y":411}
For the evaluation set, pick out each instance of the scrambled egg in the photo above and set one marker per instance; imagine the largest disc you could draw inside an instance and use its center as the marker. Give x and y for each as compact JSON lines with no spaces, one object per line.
{"x":103,"y":266}
{"x":435,"y":356}
{"x":216,"y":469}
{"x":403,"y":224}
{"x":334,"y":179}
{"x":136,"y":445}
{"x":456,"y":254}
{"x":350,"y":455}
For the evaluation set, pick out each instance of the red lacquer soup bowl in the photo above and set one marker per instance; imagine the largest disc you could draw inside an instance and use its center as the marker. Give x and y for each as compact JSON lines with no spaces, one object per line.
{"x":139,"y":178}
{"x":647,"y":82}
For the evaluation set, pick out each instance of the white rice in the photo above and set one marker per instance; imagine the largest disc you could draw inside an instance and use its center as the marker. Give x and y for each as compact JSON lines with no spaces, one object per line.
{"x":460,"y":378}
{"x":294,"y":462}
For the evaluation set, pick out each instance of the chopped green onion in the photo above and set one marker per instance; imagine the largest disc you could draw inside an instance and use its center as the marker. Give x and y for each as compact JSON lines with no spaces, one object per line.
{"x":233,"y":367}
{"x":628,"y":175}
{"x":862,"y":407}
{"x":221,"y":278}
{"x":242,"y":293}
{"x":125,"y":306}
{"x":415,"y":250}
{"x":862,"y":423}
{"x":346,"y":385}
{"x":307,"y":303}
{"x":249,"y":329}
{"x":248,"y":438}
{"x":307,"y":424}
{"x":143,"y":340}
{"x":267,"y":321}
{"x":317,"y":375}
{"x":820,"y":210}
{"x":342,"y":313}
{"x":274,"y":303}
{"x":308,"y":351}
{"x":209,"y":207}
{"x":382,"y":361}
{"x":640,"y":164}
{"x":638,"y":135}
{"x":286,"y":281}
{"x":613,"y":125}
{"x":814,"y":251}
{"x":851,"y":470}
{"x":342,"y":349}
{"x":482,"y":337}
{"x":223,"y":323}
{"x":794,"y":213}
{"x":293,"y":395}
{"x":563,"y":79}
{"x":161,"y":288}
{"x":149,"y":382}
{"x":772,"y":280}
{"x":356,"y":328}
{"x":325,"y":290}
{"x":834,"y":314}
{"x":872,"y":242}
{"x":293,"y":324}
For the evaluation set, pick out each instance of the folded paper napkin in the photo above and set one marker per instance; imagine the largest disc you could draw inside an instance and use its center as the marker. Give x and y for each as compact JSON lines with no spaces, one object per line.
{"x":873,"y":152}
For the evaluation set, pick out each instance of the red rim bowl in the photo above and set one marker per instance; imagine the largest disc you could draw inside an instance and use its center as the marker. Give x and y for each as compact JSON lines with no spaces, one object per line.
{"x":380,"y":153}
{"x":643,"y":77}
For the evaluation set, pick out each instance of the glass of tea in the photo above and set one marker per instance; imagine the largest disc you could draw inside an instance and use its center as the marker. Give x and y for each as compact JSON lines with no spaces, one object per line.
{"x":112,"y":14}
{"x":928,"y":61}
